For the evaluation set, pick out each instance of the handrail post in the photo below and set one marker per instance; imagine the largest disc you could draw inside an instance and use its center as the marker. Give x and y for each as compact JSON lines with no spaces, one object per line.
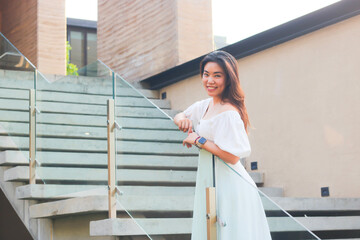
{"x":32,"y":145}
{"x":211,"y":213}
{"x":111,"y":157}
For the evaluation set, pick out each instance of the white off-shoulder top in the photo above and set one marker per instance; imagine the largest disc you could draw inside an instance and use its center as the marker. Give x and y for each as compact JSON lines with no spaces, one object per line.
{"x":226,"y":129}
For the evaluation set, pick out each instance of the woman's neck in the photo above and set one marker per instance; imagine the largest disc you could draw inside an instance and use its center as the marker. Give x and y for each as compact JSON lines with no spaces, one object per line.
{"x":216,"y":100}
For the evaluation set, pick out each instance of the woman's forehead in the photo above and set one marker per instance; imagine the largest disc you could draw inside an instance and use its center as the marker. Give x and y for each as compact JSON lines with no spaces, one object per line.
{"x":213,"y":67}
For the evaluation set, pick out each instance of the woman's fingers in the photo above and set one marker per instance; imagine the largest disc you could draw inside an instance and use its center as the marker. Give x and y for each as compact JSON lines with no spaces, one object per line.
{"x":182,"y":125}
{"x":185,"y":125}
{"x":188,"y":145}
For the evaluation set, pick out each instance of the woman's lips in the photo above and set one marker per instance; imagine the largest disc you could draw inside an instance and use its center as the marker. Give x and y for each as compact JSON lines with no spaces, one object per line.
{"x":211,"y":89}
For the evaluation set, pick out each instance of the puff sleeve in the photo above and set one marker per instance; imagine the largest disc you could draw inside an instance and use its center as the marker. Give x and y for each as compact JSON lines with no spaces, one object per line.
{"x":230,"y":134}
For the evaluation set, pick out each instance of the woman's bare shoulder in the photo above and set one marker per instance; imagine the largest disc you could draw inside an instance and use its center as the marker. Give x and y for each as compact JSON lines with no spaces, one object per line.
{"x":228,"y":107}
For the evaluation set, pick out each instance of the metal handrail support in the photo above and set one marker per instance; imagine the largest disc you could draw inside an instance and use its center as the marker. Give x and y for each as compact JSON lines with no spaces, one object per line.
{"x":211,"y":213}
{"x":111,"y":157}
{"x":32,"y":137}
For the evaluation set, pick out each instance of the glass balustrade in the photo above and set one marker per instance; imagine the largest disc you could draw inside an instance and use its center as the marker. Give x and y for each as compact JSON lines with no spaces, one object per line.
{"x":71,"y":133}
{"x":17,"y":76}
{"x":252,"y":206}
{"x":155,"y":174}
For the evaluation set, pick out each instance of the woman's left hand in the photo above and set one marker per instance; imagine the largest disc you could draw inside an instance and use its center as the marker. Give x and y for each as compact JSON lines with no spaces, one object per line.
{"x":189,"y":141}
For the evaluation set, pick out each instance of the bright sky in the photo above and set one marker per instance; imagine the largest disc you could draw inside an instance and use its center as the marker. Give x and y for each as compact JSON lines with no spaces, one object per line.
{"x":235,"y":19}
{"x":239,"y":19}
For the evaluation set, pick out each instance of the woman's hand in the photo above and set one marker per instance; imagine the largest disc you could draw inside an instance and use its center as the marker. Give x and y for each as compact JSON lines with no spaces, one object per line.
{"x":185,"y":125}
{"x":183,"y":122}
{"x":189,"y":141}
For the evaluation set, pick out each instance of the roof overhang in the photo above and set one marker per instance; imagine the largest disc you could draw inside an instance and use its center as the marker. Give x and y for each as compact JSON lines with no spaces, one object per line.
{"x":303,"y":25}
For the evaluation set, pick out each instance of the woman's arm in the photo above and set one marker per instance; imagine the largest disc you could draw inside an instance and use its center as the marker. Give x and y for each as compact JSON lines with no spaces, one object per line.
{"x":183,"y":122}
{"x":213,"y":148}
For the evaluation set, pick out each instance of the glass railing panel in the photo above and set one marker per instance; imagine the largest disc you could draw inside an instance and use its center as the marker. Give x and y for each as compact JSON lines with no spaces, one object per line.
{"x":11,"y":58}
{"x":250,"y":212}
{"x":155,"y":174}
{"x":17,"y":76}
{"x":71,"y":140}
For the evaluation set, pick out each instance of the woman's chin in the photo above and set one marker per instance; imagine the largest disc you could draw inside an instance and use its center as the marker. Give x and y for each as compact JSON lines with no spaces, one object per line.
{"x":210,"y":93}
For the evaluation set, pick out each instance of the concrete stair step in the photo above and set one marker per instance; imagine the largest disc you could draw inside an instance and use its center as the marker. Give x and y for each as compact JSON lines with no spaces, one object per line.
{"x":171,"y":112}
{"x":98,"y":146}
{"x":43,"y":97}
{"x":92,"y":204}
{"x":86,"y":120}
{"x":75,"y":108}
{"x":138,"y":226}
{"x":330,"y":223}
{"x":17,"y":158}
{"x":99,"y":176}
{"x":135,"y":227}
{"x":318,"y":204}
{"x":272,"y":191}
{"x":95,"y":204}
{"x":71,"y":131}
{"x":56,"y":191}
{"x":13,"y":80}
{"x":47,"y":174}
{"x":92,"y":175}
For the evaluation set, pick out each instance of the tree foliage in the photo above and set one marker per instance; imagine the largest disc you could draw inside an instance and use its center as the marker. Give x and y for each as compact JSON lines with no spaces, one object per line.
{"x":71,"y":69}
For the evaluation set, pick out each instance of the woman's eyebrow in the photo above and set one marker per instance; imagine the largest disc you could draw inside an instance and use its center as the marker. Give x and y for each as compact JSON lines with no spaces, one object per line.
{"x":214,"y":72}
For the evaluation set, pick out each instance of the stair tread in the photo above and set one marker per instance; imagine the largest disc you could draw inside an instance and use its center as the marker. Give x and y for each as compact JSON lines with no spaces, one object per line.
{"x":87,"y":120}
{"x":50,"y":174}
{"x":87,"y":85}
{"x":21,"y":173}
{"x":55,"y":191}
{"x":125,"y":227}
{"x":318,"y":204}
{"x":330,"y":223}
{"x":15,"y":158}
{"x":173,"y":204}
{"x":77,"y":108}
{"x":46,"y":96}
{"x":131,"y":203}
{"x":98,"y":146}
{"x":58,"y":131}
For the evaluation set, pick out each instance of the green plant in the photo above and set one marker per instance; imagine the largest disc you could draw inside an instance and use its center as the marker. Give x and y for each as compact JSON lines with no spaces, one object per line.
{"x":71,"y":69}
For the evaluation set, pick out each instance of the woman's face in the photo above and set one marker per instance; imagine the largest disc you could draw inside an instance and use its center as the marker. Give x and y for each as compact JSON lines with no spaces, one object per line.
{"x":214,"y":79}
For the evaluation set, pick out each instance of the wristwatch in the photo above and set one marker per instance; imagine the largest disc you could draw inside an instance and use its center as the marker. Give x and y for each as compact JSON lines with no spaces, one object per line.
{"x":200,"y":142}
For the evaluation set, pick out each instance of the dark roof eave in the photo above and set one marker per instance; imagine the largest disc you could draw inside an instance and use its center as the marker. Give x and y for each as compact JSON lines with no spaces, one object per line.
{"x":306,"y":24}
{"x":74,"y":22}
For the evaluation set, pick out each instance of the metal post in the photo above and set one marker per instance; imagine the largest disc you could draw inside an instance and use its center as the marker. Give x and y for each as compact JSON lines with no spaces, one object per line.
{"x":111,"y":157}
{"x":32,"y":146}
{"x":211,"y":213}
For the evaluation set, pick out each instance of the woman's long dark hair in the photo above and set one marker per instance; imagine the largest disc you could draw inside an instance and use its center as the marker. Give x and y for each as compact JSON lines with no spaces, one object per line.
{"x":233,"y":92}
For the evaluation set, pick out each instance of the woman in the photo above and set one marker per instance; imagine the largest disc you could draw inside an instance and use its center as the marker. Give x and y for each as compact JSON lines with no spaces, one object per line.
{"x":221,"y":123}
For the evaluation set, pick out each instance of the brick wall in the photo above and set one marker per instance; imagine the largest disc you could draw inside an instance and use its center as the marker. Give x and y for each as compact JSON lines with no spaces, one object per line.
{"x":141,"y":38}
{"x":19,"y":25}
{"x":38,"y":29}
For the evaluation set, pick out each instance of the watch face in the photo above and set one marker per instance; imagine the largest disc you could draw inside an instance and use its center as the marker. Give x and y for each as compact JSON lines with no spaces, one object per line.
{"x":202,"y":140}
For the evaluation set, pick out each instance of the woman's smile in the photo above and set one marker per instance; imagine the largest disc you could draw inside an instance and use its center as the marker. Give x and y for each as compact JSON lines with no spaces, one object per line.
{"x":211,"y":88}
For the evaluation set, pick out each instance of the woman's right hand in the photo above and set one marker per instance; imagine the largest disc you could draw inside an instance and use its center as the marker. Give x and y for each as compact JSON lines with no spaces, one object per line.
{"x":183,"y":122}
{"x":185,"y":125}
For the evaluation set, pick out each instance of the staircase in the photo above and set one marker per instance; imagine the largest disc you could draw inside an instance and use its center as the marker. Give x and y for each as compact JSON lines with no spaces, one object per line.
{"x":155,"y":173}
